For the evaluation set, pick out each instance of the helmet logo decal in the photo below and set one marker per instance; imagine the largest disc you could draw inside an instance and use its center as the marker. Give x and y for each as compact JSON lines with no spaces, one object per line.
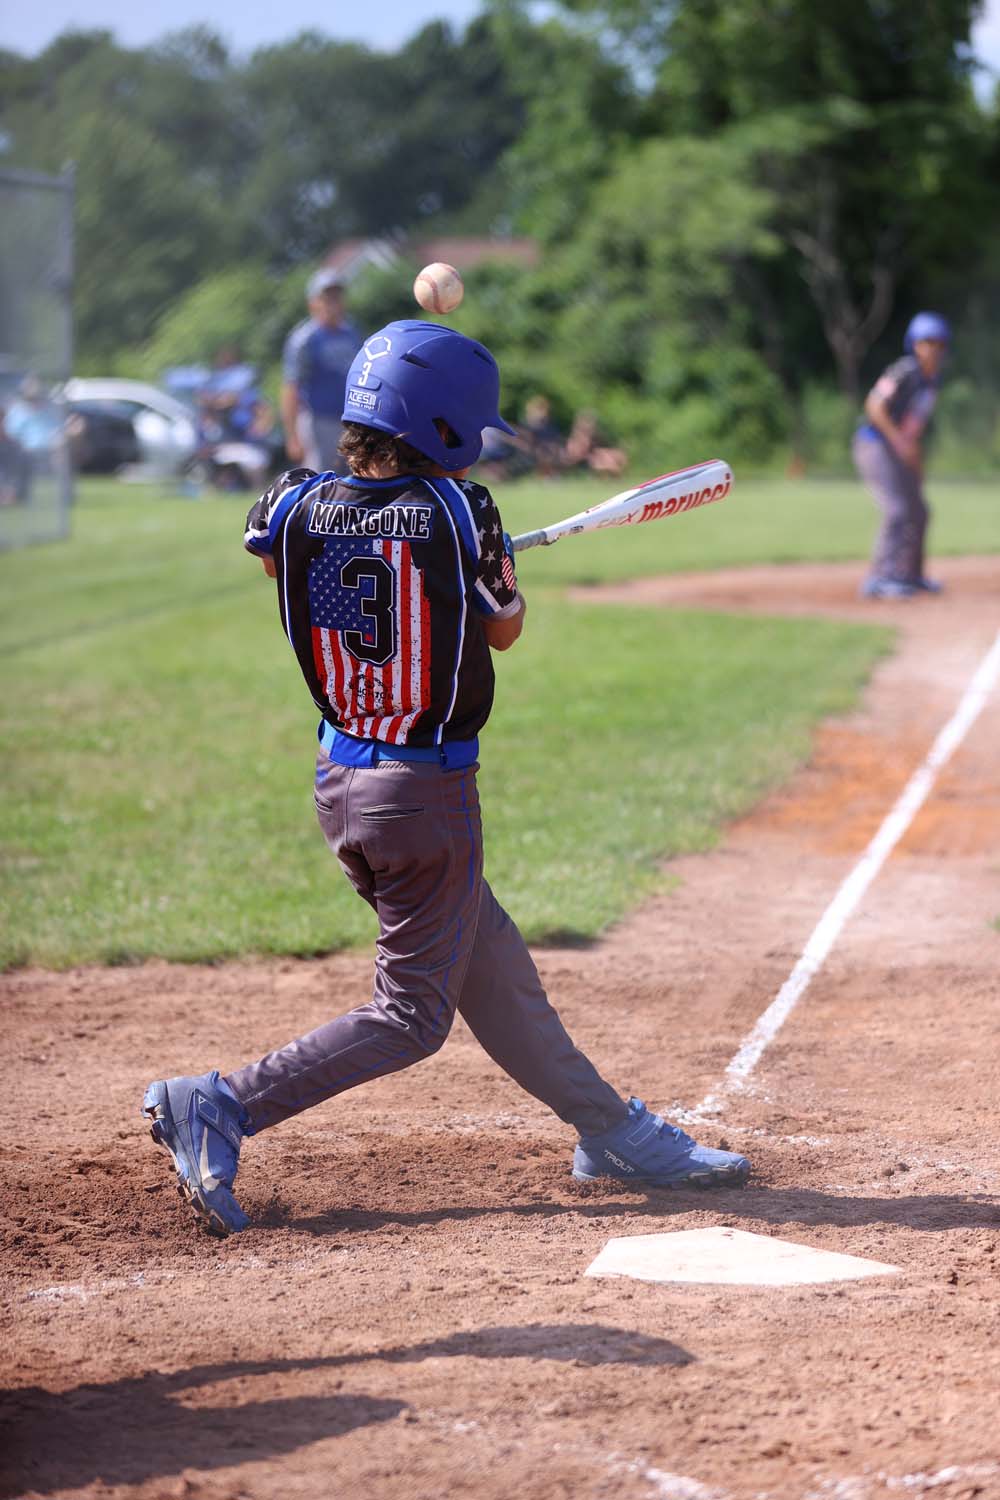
{"x":376,"y":348}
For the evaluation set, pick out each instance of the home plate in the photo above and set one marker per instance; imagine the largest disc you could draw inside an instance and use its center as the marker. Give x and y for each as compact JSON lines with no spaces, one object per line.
{"x":728,"y":1256}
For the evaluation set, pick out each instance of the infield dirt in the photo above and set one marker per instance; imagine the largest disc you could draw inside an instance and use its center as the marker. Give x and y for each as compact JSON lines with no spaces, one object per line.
{"x":408,"y":1319}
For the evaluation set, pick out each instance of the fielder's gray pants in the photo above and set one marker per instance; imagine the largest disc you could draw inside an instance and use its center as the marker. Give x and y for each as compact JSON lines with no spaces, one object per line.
{"x":320,"y":437}
{"x":409,"y":839}
{"x":898,"y":493}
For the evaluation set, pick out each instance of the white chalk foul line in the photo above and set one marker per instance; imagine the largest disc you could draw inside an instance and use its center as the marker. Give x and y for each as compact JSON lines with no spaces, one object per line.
{"x":853,"y":888}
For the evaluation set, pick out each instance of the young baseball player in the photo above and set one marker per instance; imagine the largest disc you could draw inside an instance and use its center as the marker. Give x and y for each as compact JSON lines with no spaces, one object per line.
{"x":889,"y":458}
{"x":394,"y":585}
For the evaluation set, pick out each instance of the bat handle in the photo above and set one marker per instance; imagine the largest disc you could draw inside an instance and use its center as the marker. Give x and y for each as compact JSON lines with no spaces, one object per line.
{"x":531,"y":539}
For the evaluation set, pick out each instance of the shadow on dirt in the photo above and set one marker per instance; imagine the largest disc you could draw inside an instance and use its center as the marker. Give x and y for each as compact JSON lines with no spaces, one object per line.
{"x":580,"y":1343}
{"x":133,"y":1430}
{"x":130,"y":1431}
{"x":757,"y":1204}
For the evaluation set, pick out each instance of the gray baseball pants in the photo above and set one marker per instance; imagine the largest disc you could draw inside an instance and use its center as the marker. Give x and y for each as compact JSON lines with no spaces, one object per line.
{"x":408,"y":837}
{"x":898,"y":493}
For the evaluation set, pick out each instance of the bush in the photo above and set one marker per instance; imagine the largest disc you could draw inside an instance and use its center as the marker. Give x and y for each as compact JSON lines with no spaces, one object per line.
{"x":248,"y":307}
{"x":827,"y":420}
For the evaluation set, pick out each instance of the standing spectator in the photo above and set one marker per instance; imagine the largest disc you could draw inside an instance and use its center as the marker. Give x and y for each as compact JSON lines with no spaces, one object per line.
{"x":888,"y":454}
{"x":35,"y":425}
{"x":318,"y":355}
{"x":543,"y":437}
{"x":15,"y":466}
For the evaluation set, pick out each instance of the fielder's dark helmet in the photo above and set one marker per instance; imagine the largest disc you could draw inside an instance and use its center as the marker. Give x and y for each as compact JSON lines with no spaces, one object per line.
{"x":926,"y":325}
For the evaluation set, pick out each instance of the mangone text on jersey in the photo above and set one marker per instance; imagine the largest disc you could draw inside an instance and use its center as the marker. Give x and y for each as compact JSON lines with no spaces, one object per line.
{"x":411,"y":522}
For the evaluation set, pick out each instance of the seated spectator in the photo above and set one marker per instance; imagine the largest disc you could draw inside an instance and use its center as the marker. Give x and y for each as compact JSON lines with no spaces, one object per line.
{"x":504,"y":456}
{"x":545,"y":441}
{"x":228,"y":399}
{"x":238,"y":431}
{"x":586,"y":448}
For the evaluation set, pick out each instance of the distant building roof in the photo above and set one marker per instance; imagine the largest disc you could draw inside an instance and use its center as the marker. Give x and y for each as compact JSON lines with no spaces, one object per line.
{"x":350,"y":257}
{"x":464,"y":252}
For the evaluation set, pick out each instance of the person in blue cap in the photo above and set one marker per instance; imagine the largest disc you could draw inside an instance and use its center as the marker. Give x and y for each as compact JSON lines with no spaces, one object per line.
{"x":888,"y":455}
{"x":395,"y":584}
{"x":316,"y":358}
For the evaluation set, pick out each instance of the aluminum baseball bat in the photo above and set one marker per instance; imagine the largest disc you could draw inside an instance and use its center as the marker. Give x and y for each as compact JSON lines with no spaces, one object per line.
{"x":667,"y":495}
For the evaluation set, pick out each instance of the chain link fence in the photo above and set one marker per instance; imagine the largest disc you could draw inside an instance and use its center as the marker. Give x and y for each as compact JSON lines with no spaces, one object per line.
{"x":36,"y":354}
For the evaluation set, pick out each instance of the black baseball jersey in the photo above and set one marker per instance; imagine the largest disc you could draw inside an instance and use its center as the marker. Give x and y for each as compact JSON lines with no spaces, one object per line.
{"x":908,"y":394}
{"x":382,"y":584}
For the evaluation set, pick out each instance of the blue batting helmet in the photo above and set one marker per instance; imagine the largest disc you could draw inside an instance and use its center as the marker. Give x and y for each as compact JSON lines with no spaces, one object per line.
{"x":409,"y":377}
{"x":927,"y":325}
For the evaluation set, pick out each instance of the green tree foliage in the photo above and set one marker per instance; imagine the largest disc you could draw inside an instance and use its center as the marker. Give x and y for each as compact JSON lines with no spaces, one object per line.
{"x":581,"y":110}
{"x":246,"y":307}
{"x":188,"y":164}
{"x":864,"y":128}
{"x":145,"y":225}
{"x":739,"y":203}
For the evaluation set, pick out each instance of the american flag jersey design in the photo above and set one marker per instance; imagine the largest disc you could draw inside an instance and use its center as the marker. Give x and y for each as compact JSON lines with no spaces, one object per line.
{"x":380,"y":587}
{"x":375,"y":700}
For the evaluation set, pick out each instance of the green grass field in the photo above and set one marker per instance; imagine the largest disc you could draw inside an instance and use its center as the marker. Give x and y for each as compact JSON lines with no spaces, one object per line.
{"x":158,"y":740}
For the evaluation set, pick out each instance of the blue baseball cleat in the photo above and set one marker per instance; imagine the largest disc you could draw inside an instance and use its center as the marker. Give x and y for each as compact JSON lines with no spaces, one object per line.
{"x":644,"y":1148}
{"x":199,"y":1123}
{"x":887,"y":588}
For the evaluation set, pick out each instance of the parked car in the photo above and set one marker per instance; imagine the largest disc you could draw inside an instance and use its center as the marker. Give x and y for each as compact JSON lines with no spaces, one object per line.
{"x":101,"y":436}
{"x":126,"y":423}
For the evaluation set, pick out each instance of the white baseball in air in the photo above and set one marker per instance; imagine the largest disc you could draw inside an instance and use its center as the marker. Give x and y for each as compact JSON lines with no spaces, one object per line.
{"x":438,"y":287}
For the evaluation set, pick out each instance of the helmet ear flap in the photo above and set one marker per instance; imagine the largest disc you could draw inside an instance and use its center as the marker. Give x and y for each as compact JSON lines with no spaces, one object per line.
{"x":447,"y":433}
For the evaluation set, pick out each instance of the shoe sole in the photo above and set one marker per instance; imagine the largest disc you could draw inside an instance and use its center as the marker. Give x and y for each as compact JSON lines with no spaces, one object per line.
{"x":161,"y":1128}
{"x":720,"y":1177}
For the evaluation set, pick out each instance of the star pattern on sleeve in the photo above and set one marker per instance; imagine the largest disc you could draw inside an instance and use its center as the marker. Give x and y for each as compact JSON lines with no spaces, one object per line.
{"x":494,"y":577}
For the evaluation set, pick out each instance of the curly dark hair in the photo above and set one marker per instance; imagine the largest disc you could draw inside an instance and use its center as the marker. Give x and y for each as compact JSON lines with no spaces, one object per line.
{"x":368,"y":447}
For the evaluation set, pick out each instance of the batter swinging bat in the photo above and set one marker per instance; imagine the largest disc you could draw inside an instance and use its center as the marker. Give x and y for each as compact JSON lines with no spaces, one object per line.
{"x":685,"y":489}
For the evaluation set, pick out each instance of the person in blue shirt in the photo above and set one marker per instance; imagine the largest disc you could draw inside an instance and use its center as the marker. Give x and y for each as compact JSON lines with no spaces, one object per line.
{"x":888,"y":455}
{"x":317,"y":357}
{"x":34,"y":425}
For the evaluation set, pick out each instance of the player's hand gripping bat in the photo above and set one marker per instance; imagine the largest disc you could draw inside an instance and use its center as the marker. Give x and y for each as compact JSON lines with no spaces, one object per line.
{"x":668,"y":495}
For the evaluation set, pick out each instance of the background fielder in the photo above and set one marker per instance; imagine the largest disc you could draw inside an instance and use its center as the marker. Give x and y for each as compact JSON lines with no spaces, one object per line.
{"x":888,"y":454}
{"x":394,"y":583}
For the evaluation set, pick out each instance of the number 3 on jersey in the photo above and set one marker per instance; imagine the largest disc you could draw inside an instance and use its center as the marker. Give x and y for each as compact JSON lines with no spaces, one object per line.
{"x":378,"y":606}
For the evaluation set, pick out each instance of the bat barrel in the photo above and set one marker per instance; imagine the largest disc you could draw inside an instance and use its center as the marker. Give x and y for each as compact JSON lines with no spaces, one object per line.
{"x":667,"y":495}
